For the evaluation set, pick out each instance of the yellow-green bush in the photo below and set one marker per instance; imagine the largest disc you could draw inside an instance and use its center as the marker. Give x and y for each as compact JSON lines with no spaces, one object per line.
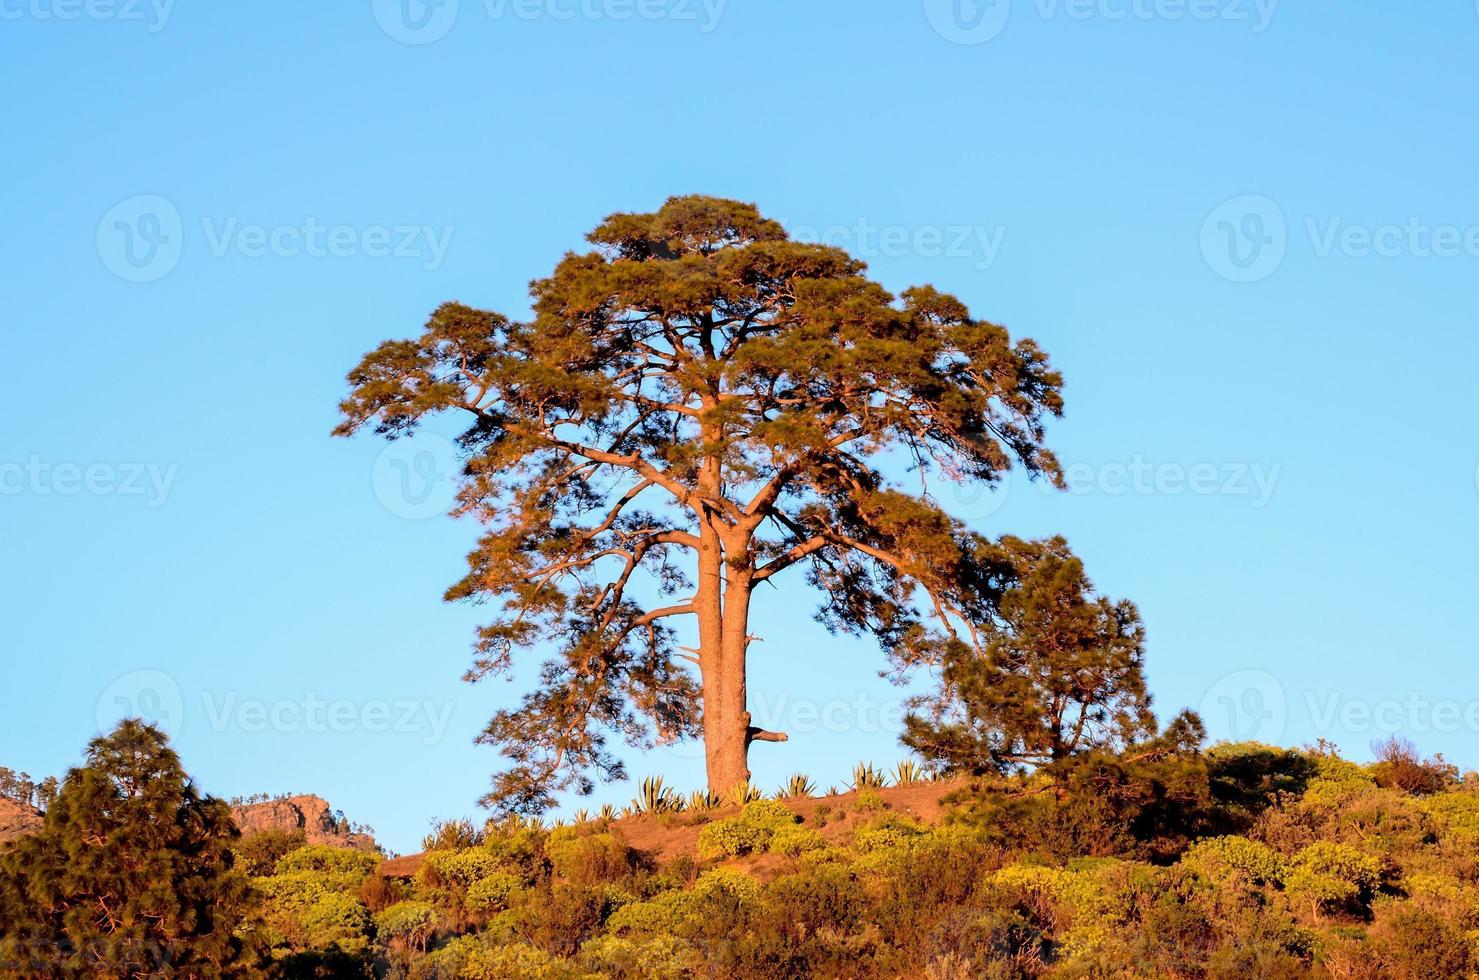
{"x":1237,"y":859}
{"x":410,"y":923}
{"x":1328,"y":874}
{"x":748,"y":833}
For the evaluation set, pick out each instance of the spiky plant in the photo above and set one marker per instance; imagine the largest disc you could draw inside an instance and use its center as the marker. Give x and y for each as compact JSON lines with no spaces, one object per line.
{"x":908,"y":772}
{"x":654,"y":797}
{"x":742,"y":793}
{"x":581,"y":816}
{"x":701,"y":799}
{"x":864,"y":776}
{"x":798,"y":786}
{"x":608,"y":812}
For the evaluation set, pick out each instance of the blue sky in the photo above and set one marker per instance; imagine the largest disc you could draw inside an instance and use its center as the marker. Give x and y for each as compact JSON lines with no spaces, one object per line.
{"x":1244,"y":232}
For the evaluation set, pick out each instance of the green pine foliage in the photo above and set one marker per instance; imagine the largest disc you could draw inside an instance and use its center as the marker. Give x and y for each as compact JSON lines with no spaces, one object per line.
{"x":132,"y":874}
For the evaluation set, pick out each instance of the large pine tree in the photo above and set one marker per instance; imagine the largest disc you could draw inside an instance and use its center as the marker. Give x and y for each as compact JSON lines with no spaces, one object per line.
{"x":696,"y":406}
{"x":130,"y":875}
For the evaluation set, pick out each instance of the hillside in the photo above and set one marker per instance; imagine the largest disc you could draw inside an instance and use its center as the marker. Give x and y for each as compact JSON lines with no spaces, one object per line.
{"x":1240,"y":860}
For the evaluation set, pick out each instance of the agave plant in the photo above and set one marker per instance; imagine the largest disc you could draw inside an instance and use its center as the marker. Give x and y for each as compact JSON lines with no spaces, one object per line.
{"x":797,"y":787}
{"x":581,"y":816}
{"x":908,"y":772}
{"x":702,"y":799}
{"x":608,"y":812}
{"x":655,"y":797}
{"x":742,"y":793}
{"x":864,"y":776}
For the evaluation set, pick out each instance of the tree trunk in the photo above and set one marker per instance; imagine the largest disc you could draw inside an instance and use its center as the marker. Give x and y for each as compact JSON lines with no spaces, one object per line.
{"x":727,"y":716}
{"x":723,"y":678}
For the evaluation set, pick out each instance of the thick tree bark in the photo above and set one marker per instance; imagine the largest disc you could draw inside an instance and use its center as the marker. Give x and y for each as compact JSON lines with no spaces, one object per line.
{"x":728,"y":737}
{"x":723,"y":677}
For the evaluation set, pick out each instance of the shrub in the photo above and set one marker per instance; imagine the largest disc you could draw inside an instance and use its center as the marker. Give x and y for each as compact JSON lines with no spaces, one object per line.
{"x":1330,"y":875}
{"x":661,"y":915}
{"x":378,"y":892}
{"x":750,"y":832}
{"x":658,"y":958}
{"x":1415,"y":942}
{"x":1398,"y":766}
{"x":559,"y":916}
{"x":410,"y":925}
{"x":336,"y":921}
{"x":1237,"y":859}
{"x":590,"y":858}
{"x":471,"y":960}
{"x":324,"y":859}
{"x":795,"y":841}
{"x":493,"y":893}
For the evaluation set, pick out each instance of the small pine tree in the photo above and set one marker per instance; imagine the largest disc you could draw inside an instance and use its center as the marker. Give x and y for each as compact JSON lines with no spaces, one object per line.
{"x":1062,"y":673}
{"x":131,"y":874}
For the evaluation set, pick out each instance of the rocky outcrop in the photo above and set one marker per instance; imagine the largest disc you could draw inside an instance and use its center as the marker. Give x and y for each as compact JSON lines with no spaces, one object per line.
{"x":310,"y":814}
{"x":17,"y":819}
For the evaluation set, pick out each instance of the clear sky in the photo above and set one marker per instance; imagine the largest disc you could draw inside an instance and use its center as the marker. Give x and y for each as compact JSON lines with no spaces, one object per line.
{"x":1244,"y":232}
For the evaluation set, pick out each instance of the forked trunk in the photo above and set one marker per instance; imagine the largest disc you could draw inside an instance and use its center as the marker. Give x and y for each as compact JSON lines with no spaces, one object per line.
{"x":726,"y":714}
{"x":723,"y":604}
